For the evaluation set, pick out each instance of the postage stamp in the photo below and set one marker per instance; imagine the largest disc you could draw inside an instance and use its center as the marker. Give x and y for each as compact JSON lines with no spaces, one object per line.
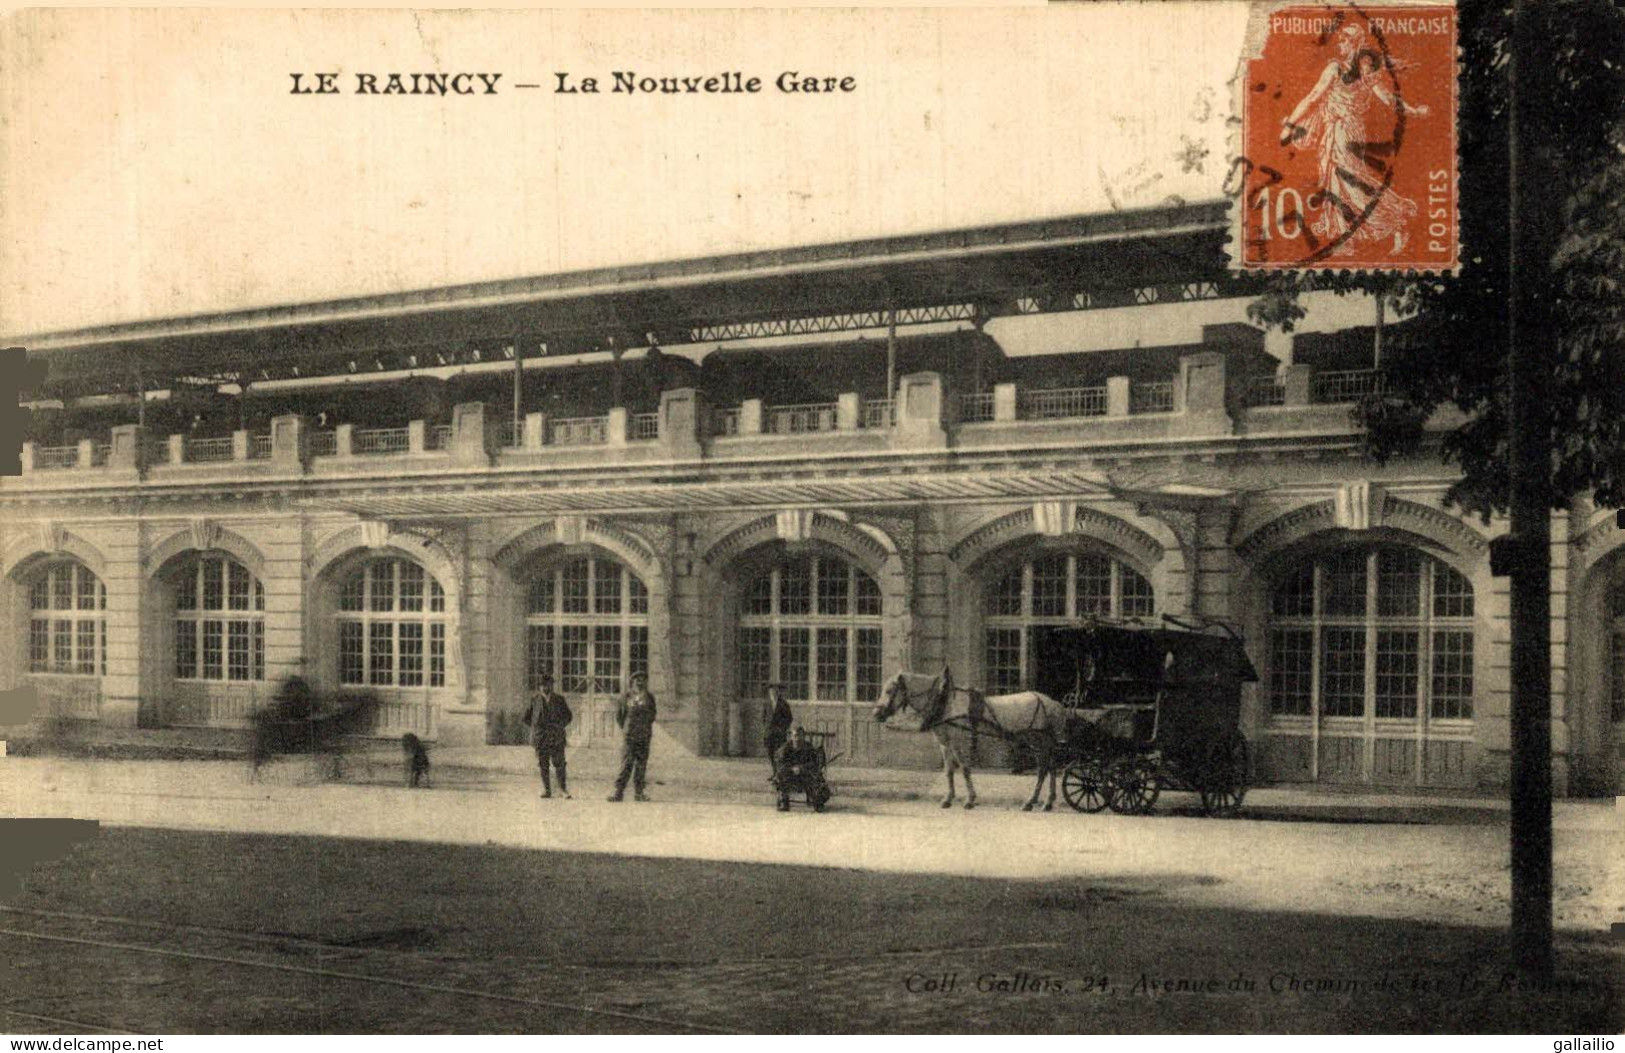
{"x":1348,"y":140}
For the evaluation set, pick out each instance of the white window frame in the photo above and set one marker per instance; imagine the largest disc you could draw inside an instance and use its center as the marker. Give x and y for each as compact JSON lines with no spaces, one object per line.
{"x":1426,"y":624}
{"x":1024,"y":622}
{"x":76,"y":614}
{"x":431,"y":617}
{"x":851,"y":624}
{"x":625,"y":619}
{"x":194,"y":622}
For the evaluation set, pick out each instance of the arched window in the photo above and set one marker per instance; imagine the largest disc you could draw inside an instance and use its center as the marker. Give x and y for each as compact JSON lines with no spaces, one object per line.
{"x":586,"y":626}
{"x":392,"y":628}
{"x":67,"y":623}
{"x":219,"y":621}
{"x":1379,"y":632}
{"x":813,"y":625}
{"x":1054,"y":590}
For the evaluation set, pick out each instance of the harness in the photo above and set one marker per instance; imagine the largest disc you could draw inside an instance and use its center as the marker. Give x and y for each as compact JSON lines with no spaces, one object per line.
{"x":934,"y":704}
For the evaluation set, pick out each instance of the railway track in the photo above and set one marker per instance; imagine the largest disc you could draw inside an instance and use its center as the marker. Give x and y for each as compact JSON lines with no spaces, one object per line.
{"x":251,"y":956}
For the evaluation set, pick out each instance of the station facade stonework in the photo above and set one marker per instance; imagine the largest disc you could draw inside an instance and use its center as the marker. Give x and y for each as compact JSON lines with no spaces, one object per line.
{"x":1367,"y":606}
{"x":722,"y":542}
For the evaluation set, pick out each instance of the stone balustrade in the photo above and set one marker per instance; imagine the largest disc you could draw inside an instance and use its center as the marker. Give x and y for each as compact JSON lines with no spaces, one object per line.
{"x":685,"y":427}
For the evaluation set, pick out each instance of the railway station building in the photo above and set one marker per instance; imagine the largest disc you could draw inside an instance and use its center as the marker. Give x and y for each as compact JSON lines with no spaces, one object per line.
{"x":812,"y":467}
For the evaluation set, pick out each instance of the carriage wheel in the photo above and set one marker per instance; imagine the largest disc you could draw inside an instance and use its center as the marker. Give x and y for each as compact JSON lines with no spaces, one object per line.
{"x":1084,"y":786}
{"x":1132,"y":786}
{"x":1224,"y":783}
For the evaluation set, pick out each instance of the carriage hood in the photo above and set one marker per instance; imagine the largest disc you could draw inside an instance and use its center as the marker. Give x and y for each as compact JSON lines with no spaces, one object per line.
{"x":1069,"y":658}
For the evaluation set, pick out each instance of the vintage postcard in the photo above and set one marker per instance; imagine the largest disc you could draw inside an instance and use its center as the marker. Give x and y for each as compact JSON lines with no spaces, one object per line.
{"x":801,"y":521}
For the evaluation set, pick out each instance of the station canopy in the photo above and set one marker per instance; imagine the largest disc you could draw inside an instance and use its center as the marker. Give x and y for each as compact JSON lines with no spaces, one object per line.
{"x":967,"y":275}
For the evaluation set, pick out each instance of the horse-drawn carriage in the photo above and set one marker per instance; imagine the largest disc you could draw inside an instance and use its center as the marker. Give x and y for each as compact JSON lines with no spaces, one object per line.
{"x":1118,"y":711}
{"x":1153,"y":708}
{"x":298,"y":722}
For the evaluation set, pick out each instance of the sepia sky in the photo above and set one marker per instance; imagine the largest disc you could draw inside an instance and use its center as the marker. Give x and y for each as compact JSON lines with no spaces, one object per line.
{"x":155,"y":163}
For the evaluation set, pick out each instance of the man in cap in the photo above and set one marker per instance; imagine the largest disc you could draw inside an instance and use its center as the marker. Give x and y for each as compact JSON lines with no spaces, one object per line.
{"x":635,"y":716}
{"x":547,"y":717}
{"x":777,"y":716}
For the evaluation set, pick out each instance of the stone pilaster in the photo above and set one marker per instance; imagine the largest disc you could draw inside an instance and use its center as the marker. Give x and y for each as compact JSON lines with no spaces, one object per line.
{"x":126,"y":585}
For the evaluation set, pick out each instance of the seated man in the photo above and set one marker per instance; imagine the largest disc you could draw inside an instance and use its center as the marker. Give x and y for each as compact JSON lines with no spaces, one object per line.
{"x":798,"y":760}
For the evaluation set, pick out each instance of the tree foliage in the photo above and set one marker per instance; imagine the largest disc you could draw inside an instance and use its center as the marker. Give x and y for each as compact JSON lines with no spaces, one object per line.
{"x":1451,"y":349}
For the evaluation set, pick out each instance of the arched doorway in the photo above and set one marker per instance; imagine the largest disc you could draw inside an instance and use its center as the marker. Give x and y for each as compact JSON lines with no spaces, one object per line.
{"x":812,"y":622}
{"x":390,"y":632}
{"x":1370,"y":668}
{"x":586,"y":627}
{"x":210,"y":628}
{"x":62,"y":624}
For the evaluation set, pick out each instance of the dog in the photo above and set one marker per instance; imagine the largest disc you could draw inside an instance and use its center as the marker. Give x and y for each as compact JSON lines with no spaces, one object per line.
{"x":417,"y":760}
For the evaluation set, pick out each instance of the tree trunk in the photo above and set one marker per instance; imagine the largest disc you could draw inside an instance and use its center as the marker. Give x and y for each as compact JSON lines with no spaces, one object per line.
{"x":1530,"y":355}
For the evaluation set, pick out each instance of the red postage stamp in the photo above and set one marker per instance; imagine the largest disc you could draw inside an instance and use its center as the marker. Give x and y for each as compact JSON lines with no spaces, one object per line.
{"x":1348,"y":140}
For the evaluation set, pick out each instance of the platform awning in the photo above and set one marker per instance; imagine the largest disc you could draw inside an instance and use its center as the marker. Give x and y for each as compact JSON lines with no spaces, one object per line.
{"x":584,"y":497}
{"x":987,"y":271}
{"x":478,"y":501}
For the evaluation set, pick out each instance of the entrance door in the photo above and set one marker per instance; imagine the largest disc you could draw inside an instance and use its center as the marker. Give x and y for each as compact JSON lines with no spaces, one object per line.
{"x":587,"y":629}
{"x":812,"y":624}
{"x":1371,"y":671}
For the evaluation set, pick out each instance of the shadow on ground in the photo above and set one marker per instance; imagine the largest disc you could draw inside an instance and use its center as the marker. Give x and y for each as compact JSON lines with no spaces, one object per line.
{"x":294,"y":932}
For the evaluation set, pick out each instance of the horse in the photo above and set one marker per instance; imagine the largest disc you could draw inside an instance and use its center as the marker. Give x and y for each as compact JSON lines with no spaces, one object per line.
{"x":956,"y":715}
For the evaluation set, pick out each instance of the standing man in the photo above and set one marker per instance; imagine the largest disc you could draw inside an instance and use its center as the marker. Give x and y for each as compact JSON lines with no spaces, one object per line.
{"x":547,"y":717}
{"x":636,"y":718}
{"x":778,"y":718}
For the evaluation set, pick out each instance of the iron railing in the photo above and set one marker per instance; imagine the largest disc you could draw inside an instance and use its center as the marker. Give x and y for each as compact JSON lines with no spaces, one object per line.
{"x":381,"y":440}
{"x":437,"y":437}
{"x":976,"y":409}
{"x":878,"y":413}
{"x":579,"y":431}
{"x":47,"y":458}
{"x":259,"y":447}
{"x":203,"y":451}
{"x":100,"y":454}
{"x":1056,"y":403}
{"x":1155,"y":397}
{"x":509,"y":433}
{"x":324,"y":443}
{"x":801,"y":420}
{"x":641,"y":427}
{"x":1267,"y":390}
{"x":1345,"y":385}
{"x":725,"y":422}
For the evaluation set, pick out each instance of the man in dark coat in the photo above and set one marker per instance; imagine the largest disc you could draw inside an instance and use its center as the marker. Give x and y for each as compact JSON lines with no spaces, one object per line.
{"x":798,"y":763}
{"x":635,"y":716}
{"x":547,"y":717}
{"x":778,"y":718}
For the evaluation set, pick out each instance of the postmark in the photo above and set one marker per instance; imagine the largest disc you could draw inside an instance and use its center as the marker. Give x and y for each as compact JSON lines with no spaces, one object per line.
{"x":1347,"y":157}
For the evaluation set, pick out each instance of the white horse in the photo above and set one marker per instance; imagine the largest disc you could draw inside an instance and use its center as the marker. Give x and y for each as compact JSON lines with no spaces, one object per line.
{"x":956,"y":715}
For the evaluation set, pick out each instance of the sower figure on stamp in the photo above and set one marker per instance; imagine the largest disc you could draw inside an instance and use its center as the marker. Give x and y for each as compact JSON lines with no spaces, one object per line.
{"x":636,"y":718}
{"x":778,"y":718}
{"x":547,"y":717}
{"x":1353,"y":200}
